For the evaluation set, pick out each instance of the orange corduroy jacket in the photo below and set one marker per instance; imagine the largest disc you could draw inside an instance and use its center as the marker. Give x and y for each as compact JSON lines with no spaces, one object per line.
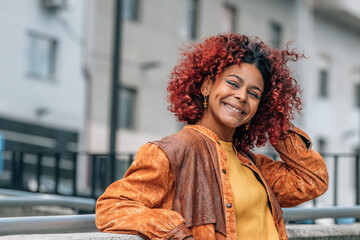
{"x":142,"y":202}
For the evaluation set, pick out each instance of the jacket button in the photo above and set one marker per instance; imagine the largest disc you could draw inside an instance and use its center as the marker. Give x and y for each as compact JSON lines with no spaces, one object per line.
{"x":224,"y":171}
{"x":229,"y":205}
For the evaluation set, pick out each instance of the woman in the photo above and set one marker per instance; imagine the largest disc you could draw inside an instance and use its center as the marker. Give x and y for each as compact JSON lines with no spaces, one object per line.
{"x":234,"y":92}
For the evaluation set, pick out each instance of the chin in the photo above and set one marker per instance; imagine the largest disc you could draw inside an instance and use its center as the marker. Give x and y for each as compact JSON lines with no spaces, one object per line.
{"x":233,"y":125}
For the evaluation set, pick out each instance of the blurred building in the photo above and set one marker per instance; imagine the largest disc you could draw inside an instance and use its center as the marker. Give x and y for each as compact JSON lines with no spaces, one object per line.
{"x":55,"y":87}
{"x":41,"y":87}
{"x":328,"y":32}
{"x":152,"y":33}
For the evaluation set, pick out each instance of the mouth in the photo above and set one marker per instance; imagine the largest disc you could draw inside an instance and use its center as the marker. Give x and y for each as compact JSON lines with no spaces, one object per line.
{"x":233,"y":108}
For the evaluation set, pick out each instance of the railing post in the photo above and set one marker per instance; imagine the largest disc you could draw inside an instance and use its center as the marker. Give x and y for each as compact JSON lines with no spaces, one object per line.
{"x":131,"y":159}
{"x":38,"y":170}
{"x":57,"y":172}
{"x":335,"y":180}
{"x":13,"y":170}
{"x":357,"y":179}
{"x":74,"y":178}
{"x":19,"y":179}
{"x":102,"y":170}
{"x":112,"y":167}
{"x":357,"y":182}
{"x":93,"y":175}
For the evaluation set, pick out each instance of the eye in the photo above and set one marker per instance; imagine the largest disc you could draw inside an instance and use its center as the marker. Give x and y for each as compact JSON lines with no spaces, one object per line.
{"x":234,"y":84}
{"x":254,"y":94}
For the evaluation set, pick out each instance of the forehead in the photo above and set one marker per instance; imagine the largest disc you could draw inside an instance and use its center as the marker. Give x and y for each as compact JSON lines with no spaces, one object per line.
{"x":248,"y":72}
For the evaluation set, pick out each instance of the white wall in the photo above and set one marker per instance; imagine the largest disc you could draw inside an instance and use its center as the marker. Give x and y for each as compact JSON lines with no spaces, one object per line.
{"x":337,"y":48}
{"x":21,"y":94}
{"x":159,"y":34}
{"x":157,"y":37}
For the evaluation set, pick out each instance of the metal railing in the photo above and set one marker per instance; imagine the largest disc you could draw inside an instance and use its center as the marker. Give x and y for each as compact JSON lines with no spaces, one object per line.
{"x":334,"y":159}
{"x":47,"y":224}
{"x":56,"y":167}
{"x":86,"y":223}
{"x":52,"y":166}
{"x":100,"y":178}
{"x":300,"y":214}
{"x":16,"y":198}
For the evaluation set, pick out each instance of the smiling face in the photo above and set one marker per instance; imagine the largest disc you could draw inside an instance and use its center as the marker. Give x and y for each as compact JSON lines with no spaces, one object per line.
{"x":233,"y":99}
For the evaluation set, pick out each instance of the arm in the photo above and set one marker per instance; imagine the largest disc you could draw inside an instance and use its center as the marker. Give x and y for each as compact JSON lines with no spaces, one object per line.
{"x":133,"y":204}
{"x":301,"y":176}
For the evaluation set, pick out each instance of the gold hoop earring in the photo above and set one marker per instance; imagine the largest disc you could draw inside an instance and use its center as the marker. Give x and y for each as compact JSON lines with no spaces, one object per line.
{"x":205,"y":103}
{"x":247,"y":125}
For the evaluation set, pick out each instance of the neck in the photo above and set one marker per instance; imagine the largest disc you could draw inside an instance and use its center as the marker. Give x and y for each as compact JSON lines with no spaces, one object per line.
{"x":224,"y":134}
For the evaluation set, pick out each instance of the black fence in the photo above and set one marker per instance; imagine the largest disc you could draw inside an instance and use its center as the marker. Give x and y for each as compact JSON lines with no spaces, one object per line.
{"x":337,"y":161}
{"x":57,"y":172}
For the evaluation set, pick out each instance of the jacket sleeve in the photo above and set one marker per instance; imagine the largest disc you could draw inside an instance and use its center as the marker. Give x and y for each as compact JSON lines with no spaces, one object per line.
{"x":134,"y":204}
{"x":301,"y":176}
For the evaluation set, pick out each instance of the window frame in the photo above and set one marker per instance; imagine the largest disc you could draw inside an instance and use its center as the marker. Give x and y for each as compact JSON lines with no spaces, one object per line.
{"x":33,"y":55}
{"x":192,"y":19}
{"x":323,"y":78}
{"x":274,"y":25}
{"x":357,"y":95}
{"x":131,"y":10}
{"x":233,"y":9}
{"x":133,"y":92}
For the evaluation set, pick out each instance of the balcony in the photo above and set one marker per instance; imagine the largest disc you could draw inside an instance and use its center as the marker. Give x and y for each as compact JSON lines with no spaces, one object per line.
{"x":80,"y":223}
{"x":346,"y":12}
{"x":83,"y":226}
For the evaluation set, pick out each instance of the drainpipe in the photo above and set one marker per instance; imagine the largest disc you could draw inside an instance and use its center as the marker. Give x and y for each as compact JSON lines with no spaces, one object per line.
{"x":115,"y":87}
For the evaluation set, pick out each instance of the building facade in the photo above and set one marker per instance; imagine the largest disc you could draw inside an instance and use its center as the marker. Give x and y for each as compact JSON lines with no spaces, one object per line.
{"x":42,"y":86}
{"x":153,"y":31}
{"x":55,"y":87}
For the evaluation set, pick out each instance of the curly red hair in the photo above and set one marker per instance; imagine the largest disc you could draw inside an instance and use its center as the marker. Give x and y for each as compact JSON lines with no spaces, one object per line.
{"x":209,"y":58}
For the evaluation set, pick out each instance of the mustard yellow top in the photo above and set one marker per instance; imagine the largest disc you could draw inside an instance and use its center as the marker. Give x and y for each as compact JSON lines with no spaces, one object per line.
{"x":252,"y":212}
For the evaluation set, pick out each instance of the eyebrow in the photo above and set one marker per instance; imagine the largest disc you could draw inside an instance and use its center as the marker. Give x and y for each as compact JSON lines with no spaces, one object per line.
{"x":242,"y":81}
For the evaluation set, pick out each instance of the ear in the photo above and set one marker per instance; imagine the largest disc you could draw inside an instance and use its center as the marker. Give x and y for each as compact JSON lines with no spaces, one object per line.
{"x":206,"y":86}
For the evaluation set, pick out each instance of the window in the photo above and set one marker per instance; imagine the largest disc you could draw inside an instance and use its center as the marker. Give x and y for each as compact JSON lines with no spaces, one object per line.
{"x":322,"y":145}
{"x":357,"y":95}
{"x":323,"y":83}
{"x":131,"y":9}
{"x":127,"y":107}
{"x":229,"y":19}
{"x":192,"y":18}
{"x":42,"y":55}
{"x":275,"y":34}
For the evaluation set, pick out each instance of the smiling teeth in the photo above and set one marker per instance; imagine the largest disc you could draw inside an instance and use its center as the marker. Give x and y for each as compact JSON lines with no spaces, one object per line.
{"x":232,"y":108}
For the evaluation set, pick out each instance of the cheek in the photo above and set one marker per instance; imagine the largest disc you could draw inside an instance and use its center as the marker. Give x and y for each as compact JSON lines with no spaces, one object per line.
{"x":217,"y":96}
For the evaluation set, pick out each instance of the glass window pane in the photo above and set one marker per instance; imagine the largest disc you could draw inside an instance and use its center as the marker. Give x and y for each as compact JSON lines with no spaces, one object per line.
{"x":41,"y":55}
{"x":323,"y":88}
{"x":357,"y":95}
{"x":275,"y":34}
{"x":229,"y":19}
{"x":322,"y":145}
{"x":192,"y":18}
{"x":127,"y":107}
{"x":131,"y":10}
{"x":52,"y":57}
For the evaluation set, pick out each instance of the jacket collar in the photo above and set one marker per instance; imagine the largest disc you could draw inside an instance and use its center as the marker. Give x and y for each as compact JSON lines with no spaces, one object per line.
{"x":205,"y":131}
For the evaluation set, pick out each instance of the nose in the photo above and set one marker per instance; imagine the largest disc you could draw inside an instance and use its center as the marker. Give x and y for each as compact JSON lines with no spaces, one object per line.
{"x":241,"y":95}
